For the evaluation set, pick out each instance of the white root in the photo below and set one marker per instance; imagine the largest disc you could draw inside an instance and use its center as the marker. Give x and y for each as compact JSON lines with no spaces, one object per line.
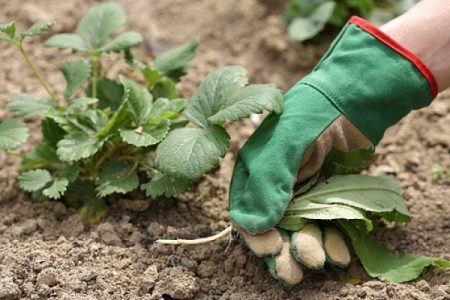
{"x":197,"y":241}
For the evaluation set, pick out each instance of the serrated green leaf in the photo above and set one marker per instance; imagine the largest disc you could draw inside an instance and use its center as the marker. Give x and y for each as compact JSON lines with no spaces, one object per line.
{"x":372,"y":194}
{"x":76,"y":72}
{"x":100,"y":22}
{"x":38,"y":28}
{"x":167,"y":108}
{"x":217,"y":87}
{"x":175,"y":62}
{"x":123,"y":41}
{"x":252,"y":99}
{"x":42,"y":156}
{"x":9,"y":29}
{"x":34,"y":180}
{"x":25,"y":106}
{"x":139,"y":102}
{"x":339,"y":162}
{"x":78,"y":145}
{"x":146,"y":135}
{"x":67,"y":41}
{"x":304,"y":28}
{"x":117,"y":177}
{"x":380,"y":262}
{"x":161,"y":184}
{"x":13,"y":133}
{"x":158,"y":84}
{"x":57,"y":189}
{"x":191,"y":152}
{"x":109,"y":93}
{"x":70,"y":172}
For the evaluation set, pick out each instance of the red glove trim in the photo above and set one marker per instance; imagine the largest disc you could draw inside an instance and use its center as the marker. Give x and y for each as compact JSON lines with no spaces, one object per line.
{"x":390,"y":42}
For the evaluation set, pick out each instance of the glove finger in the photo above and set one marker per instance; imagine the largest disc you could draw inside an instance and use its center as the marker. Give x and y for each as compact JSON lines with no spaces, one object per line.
{"x":268,"y":243}
{"x":307,"y":246}
{"x":335,"y":246}
{"x":283,"y":266}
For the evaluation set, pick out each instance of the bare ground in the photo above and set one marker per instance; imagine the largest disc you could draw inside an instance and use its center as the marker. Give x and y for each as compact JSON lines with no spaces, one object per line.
{"x":46,"y":252}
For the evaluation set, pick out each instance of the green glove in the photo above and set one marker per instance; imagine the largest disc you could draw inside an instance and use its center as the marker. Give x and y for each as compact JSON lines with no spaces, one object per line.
{"x":366,"y":80}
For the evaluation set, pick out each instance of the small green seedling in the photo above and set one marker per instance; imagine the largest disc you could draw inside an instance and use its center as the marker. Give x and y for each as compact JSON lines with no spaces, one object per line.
{"x":112,"y":135}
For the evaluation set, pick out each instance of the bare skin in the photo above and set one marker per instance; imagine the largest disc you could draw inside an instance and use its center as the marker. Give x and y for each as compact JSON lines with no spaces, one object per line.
{"x":424,"y":30}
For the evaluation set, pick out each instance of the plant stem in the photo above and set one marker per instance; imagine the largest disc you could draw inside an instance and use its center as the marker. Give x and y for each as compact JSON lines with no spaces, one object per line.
{"x":95,"y":65}
{"x":36,"y":73}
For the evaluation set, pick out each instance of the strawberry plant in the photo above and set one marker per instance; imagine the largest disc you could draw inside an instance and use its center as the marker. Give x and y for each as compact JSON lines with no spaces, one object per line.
{"x":105,"y":136}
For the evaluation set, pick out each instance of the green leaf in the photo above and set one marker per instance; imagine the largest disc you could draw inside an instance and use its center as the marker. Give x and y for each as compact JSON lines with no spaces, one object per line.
{"x":100,"y":22}
{"x":76,"y":72}
{"x":38,"y":28}
{"x":304,"y":28}
{"x":380,"y":262}
{"x":123,"y":41}
{"x":34,"y":180}
{"x":146,"y":135}
{"x":371,"y":194}
{"x":292,"y":223}
{"x":217,"y":87}
{"x":164,"y":108}
{"x":42,"y":156}
{"x":70,"y":172}
{"x":139,"y":101}
{"x":52,"y":132}
{"x":79,"y":192}
{"x":251,"y":99}
{"x":78,"y":145}
{"x":109,"y":93}
{"x":25,"y":106}
{"x":189,"y":153}
{"x":9,"y":29}
{"x":162,"y":184}
{"x":175,"y":62}
{"x":339,"y":162}
{"x":67,"y":41}
{"x":117,"y":177}
{"x":57,"y":189}
{"x":13,"y":133}
{"x":158,"y":84}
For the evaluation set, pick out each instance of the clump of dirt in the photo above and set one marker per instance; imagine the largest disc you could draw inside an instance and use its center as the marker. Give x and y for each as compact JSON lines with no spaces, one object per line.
{"x":46,"y":252}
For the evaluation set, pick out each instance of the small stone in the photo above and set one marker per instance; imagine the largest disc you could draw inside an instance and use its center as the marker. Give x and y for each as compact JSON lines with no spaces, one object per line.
{"x":48,"y":277}
{"x":177,"y":284}
{"x":149,"y":278}
{"x":108,"y":234}
{"x":423,"y":286}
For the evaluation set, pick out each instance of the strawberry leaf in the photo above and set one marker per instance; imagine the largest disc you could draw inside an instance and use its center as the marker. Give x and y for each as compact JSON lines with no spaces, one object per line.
{"x":117,"y":177}
{"x":42,"y":156}
{"x":139,"y":102}
{"x":78,"y":145}
{"x":34,"y":180}
{"x":76,"y":73}
{"x":213,"y":93}
{"x":25,"y":106}
{"x":252,"y":99}
{"x":146,"y":135}
{"x":189,"y":153}
{"x":100,"y":22}
{"x":109,"y":93}
{"x":38,"y":28}
{"x":13,"y":133}
{"x":9,"y":29}
{"x":162,"y":184}
{"x":67,"y":41}
{"x":175,"y":62}
{"x":57,"y":189}
{"x":123,"y":41}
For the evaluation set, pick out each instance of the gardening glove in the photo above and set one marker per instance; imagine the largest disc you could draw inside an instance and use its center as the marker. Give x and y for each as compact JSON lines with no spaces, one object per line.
{"x":365,"y":83}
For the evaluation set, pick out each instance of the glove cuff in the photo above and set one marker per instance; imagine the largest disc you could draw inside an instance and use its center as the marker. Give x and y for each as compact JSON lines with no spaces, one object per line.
{"x":371,"y":79}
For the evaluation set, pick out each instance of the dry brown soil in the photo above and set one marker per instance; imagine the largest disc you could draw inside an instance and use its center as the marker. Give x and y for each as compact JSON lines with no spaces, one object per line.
{"x":46,"y":252}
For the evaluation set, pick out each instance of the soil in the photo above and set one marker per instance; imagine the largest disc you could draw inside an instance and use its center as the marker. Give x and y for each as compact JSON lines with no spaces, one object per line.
{"x":46,"y":252}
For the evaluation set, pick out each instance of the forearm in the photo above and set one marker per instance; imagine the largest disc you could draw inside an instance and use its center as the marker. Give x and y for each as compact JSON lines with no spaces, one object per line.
{"x":425,"y":31}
